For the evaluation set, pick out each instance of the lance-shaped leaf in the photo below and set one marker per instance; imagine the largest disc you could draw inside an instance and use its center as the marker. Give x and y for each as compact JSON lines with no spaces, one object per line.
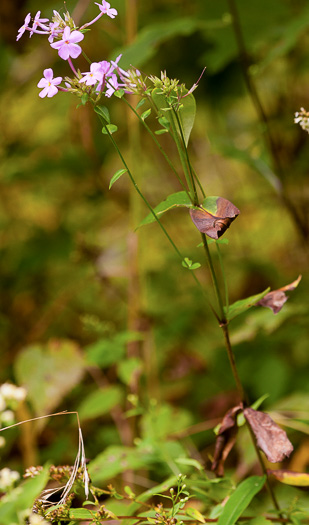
{"x":276,"y":299}
{"x":226,"y":437}
{"x":214,"y":217}
{"x":297,"y":479}
{"x":172,"y":201}
{"x":271,"y":439}
{"x":243,"y":305}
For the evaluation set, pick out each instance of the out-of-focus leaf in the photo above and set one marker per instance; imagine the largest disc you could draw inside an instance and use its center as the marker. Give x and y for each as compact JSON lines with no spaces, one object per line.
{"x":116,"y":176}
{"x":260,"y":520}
{"x":49,"y":372}
{"x":276,"y":299}
{"x":106,"y":352}
{"x":297,"y":479}
{"x":240,"y":499}
{"x":172,"y":201}
{"x":271,"y":439}
{"x":22,"y":498}
{"x":81,"y":514}
{"x":145,"y":496}
{"x":163,"y":420}
{"x":194,"y":513}
{"x":100,"y":402}
{"x":117,"y":459}
{"x":214,"y":217}
{"x":148,"y":39}
{"x":226,"y":437}
{"x":129,"y":369}
{"x":191,"y":462}
{"x":243,"y":305}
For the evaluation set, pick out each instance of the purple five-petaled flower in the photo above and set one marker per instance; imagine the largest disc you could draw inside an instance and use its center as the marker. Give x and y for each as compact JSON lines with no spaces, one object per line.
{"x":106,"y":9}
{"x":38,"y":22}
{"x":25,"y":26}
{"x":48,"y":83}
{"x":67,"y":47}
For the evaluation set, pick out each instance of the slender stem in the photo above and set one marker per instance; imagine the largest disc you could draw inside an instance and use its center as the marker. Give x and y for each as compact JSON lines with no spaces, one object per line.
{"x":270,"y":142}
{"x":230,"y":353}
{"x":226,"y":290}
{"x":188,"y":163}
{"x":155,"y":215}
{"x":168,"y":160}
{"x":214,"y":279}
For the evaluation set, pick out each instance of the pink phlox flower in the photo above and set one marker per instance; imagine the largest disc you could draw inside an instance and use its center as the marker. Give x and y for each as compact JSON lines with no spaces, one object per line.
{"x":93,"y":76}
{"x":38,"y":22}
{"x":106,"y":71}
{"x":67,"y":47}
{"x":54,"y":31}
{"x":48,"y":83}
{"x":106,"y":9}
{"x":25,"y":26}
{"x":112,"y":85}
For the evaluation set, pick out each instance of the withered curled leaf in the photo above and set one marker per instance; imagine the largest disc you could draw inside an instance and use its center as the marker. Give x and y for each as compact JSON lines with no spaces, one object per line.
{"x":226,"y":438}
{"x":289,"y":477}
{"x":214,"y":217}
{"x":271,"y":439}
{"x":276,"y":299}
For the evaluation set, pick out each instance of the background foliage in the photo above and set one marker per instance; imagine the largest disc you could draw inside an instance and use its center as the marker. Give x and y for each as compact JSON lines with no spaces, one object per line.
{"x":92,"y":319}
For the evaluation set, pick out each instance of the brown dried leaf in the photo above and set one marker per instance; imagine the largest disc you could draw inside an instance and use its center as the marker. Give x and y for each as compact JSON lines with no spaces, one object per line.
{"x":276,"y":299}
{"x":271,"y":439}
{"x":215,"y":219}
{"x":225,"y":439}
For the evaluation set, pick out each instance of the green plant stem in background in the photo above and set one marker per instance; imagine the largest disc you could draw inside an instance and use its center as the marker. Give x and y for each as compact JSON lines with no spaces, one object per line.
{"x":299,"y":219}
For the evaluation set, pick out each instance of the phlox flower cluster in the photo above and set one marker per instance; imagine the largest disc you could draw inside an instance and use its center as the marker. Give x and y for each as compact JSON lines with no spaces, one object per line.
{"x":65,"y":37}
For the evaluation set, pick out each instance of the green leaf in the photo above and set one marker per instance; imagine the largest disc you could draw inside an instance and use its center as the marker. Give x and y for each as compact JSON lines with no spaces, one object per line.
{"x":100,"y":402}
{"x":140,"y":103}
{"x":187,"y":114}
{"x":117,"y":459}
{"x":117,"y":176}
{"x":191,"y":462}
{"x":106,"y":352}
{"x":22,"y":498}
{"x":49,"y":372}
{"x":241,"y":418}
{"x":81,"y":514}
{"x":161,"y":131}
{"x":128,"y":368}
{"x":189,"y":265}
{"x":241,"y":499}
{"x":145,"y":114}
{"x":194,"y":513}
{"x":119,"y":93}
{"x":109,"y":129}
{"x":179,"y":199}
{"x":103,"y":112}
{"x":243,"y":305}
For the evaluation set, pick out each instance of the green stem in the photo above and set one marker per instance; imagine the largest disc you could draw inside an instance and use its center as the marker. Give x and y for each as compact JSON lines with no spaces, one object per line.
{"x":187,"y":160}
{"x":214,"y":279}
{"x":168,"y":160}
{"x":226,"y":290}
{"x":155,"y":215}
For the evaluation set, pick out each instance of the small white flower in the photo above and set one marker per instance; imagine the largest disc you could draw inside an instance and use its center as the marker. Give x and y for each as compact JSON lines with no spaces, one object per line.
{"x":2,"y":441}
{"x":2,"y":402}
{"x":35,"y":519}
{"x":10,"y":391}
{"x":7,"y":416}
{"x":8,"y":478}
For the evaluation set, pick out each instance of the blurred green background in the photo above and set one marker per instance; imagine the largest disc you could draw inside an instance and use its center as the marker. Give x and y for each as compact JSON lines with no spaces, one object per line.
{"x":90,"y":310}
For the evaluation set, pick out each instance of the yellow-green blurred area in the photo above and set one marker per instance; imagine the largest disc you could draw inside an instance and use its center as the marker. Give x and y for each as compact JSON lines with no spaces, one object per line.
{"x":77,"y":279}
